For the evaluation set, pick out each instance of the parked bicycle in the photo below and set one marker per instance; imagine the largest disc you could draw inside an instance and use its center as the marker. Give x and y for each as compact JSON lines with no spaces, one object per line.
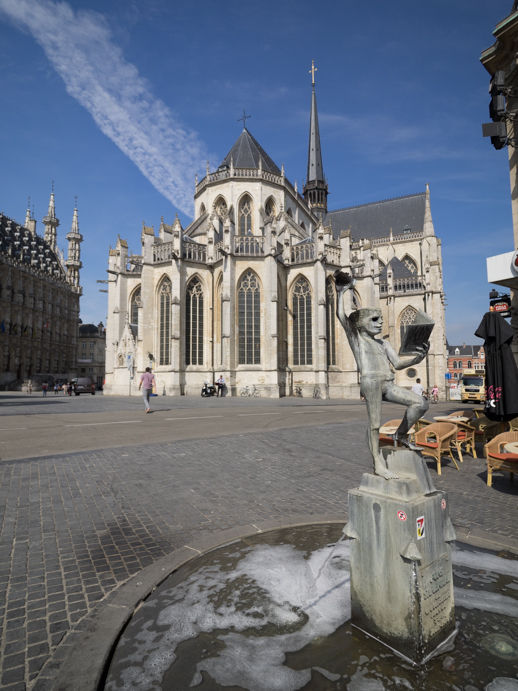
{"x":297,"y":391}
{"x":251,"y":392}
{"x":316,"y":392}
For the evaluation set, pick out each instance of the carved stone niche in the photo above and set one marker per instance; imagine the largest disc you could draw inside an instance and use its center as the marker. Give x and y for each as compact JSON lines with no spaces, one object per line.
{"x":274,"y":297}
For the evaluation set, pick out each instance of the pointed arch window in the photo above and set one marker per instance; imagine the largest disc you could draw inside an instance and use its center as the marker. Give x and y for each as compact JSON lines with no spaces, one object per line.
{"x":270,"y":208}
{"x":221,"y":209}
{"x":245,"y":216}
{"x":330,"y":324}
{"x":302,"y":323}
{"x":202,"y":209}
{"x":135,"y":304}
{"x":165,"y":323}
{"x":407,"y":317}
{"x":249,"y":307}
{"x":194,"y":323}
{"x":410,"y":264}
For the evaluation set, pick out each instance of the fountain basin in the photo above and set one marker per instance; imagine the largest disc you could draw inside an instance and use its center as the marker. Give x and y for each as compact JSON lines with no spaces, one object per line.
{"x":250,"y":615}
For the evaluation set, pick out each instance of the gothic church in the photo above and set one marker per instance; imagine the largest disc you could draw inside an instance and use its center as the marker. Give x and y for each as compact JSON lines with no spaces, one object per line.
{"x":246,"y":290}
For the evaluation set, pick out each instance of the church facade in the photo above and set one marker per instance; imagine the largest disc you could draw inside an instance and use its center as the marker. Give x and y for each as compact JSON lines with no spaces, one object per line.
{"x":247,"y":289}
{"x":39,"y":301}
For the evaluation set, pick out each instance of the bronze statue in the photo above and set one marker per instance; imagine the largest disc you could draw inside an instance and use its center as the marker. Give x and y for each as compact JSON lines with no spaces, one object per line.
{"x":373,"y":358}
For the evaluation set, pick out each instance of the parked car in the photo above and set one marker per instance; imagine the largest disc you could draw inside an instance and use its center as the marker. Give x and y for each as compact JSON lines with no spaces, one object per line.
{"x":84,"y":385}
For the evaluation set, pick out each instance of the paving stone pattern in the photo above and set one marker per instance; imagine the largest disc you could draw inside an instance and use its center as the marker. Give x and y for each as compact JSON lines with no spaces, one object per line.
{"x":77,"y":526}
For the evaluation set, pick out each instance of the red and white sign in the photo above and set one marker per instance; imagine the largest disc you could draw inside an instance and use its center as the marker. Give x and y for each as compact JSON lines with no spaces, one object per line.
{"x":401,"y":515}
{"x":443,"y":503}
{"x":420,"y":527}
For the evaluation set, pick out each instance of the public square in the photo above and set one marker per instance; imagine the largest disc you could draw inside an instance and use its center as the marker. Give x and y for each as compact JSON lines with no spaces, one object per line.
{"x":94,"y":491}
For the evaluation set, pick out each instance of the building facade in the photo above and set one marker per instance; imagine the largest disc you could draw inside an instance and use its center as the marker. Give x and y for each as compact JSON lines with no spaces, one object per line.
{"x":502,"y":269}
{"x":247,"y":289}
{"x":465,"y":357}
{"x":91,"y":352}
{"x":39,"y":300}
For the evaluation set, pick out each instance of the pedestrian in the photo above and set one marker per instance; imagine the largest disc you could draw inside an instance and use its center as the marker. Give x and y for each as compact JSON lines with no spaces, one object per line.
{"x":418,"y":388}
{"x":44,"y":388}
{"x":29,"y":386}
{"x":147,"y":380}
{"x":435,"y":394}
{"x":56,"y":388}
{"x":221,"y":386}
{"x":69,"y":388}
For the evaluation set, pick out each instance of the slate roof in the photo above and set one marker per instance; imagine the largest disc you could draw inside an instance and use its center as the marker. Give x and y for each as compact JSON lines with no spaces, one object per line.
{"x":18,"y":242}
{"x":375,"y":220}
{"x":465,"y":350}
{"x":88,"y":329}
{"x":399,"y":270}
{"x":246,"y":152}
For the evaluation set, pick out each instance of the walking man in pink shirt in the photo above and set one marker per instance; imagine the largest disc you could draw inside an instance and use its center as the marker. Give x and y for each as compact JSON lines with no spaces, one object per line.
{"x":146,"y":381}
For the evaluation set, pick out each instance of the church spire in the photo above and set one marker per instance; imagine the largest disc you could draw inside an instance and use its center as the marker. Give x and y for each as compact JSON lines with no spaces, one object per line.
{"x":73,"y":262}
{"x":315,"y":190}
{"x":51,"y":223}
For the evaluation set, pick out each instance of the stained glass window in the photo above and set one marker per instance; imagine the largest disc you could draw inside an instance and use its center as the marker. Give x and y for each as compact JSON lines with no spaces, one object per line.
{"x":330,"y":324}
{"x":135,"y":304}
{"x":302,"y":324}
{"x":194,"y":323}
{"x":249,"y":306}
{"x":165,"y":323}
{"x":270,"y":207}
{"x":410,"y":264}
{"x":245,"y":216}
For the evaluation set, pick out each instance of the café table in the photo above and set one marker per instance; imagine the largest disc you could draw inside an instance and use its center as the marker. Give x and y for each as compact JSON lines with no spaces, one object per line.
{"x":511,"y":447}
{"x":448,"y":418}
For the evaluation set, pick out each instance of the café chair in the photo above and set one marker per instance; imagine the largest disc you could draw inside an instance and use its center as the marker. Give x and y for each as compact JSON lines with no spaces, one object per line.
{"x":498,"y":459}
{"x":465,"y":436}
{"x":485,"y":429}
{"x":435,"y":440}
{"x":513,"y":425}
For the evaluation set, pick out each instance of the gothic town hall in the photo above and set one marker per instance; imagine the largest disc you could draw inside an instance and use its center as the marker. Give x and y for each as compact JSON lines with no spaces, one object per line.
{"x":246,"y":290}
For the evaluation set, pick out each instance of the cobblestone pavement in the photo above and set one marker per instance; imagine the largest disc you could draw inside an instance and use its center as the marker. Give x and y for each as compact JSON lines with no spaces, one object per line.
{"x":76,"y":526}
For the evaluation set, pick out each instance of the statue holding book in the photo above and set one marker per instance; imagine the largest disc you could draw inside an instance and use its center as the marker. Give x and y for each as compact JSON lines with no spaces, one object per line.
{"x":374,"y":358}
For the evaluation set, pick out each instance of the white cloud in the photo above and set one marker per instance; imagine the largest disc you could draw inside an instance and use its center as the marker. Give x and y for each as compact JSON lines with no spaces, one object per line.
{"x":79,"y":46}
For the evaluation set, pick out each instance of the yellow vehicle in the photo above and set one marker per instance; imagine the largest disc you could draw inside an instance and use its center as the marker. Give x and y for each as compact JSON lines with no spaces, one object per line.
{"x":473,"y":387}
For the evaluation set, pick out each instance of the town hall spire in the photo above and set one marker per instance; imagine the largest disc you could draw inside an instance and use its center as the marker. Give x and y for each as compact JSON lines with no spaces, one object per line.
{"x":315,"y":190}
{"x":73,"y":262}
{"x":51,"y":223}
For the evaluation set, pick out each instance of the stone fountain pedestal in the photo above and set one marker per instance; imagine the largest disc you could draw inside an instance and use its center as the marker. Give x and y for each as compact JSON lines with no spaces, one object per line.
{"x":401,"y":576}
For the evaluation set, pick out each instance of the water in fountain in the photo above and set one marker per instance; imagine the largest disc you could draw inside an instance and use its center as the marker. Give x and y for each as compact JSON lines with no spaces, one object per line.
{"x":239,"y":618}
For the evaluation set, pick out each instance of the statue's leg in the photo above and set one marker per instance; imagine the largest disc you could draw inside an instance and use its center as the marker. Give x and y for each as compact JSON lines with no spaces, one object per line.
{"x":372,"y":390}
{"x":416,"y":408}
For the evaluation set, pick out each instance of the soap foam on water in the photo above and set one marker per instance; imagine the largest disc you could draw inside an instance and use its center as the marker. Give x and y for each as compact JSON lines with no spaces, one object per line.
{"x":486,"y":602}
{"x":285,"y":594}
{"x":488,"y":562}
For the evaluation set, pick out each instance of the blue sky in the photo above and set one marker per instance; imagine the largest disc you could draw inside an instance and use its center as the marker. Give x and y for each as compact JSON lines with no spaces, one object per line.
{"x":121,"y":102}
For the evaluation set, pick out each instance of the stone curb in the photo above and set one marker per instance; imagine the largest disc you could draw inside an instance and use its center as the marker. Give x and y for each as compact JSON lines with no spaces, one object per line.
{"x":92,"y":646}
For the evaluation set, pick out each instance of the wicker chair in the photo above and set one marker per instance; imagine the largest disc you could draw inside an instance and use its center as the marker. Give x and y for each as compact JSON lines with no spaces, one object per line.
{"x":496,"y":460}
{"x":513,"y":425}
{"x":421,"y":423}
{"x":435,"y":441}
{"x":485,"y":429}
{"x":465,"y":435}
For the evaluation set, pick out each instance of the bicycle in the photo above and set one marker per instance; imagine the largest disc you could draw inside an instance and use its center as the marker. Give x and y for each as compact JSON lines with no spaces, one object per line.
{"x":250,"y":392}
{"x":297,"y":391}
{"x":316,"y":392}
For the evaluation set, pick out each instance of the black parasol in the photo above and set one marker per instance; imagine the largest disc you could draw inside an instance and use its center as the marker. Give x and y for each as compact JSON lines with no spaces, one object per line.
{"x":501,"y":370}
